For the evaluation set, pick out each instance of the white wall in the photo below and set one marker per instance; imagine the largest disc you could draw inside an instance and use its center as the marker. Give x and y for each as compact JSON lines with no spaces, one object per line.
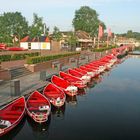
{"x":35,"y":45}
{"x":24,"y":45}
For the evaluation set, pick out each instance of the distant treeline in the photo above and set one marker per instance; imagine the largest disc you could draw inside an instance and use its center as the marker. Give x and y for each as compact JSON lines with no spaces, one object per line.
{"x":131,"y":34}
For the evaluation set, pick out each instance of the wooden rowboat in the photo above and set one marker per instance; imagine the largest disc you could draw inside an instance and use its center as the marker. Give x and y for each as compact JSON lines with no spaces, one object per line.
{"x":55,"y":95}
{"x":66,"y":86}
{"x":11,"y":115}
{"x":38,"y":107}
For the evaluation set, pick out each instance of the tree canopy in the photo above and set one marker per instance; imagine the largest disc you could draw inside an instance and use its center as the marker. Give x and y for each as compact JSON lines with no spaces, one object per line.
{"x":72,"y":39}
{"x":86,"y":19}
{"x":130,"y":34}
{"x":38,"y":27}
{"x":12,"y":24}
{"x":57,"y":35}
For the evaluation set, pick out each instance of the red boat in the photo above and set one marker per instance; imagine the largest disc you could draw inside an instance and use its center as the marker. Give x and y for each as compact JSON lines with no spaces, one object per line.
{"x":89,"y":70}
{"x":38,"y":107}
{"x":102,"y":64}
{"x":66,"y":86}
{"x":80,"y":75}
{"x":11,"y":115}
{"x":55,"y":95}
{"x":84,"y":72}
{"x":73,"y":80}
{"x":98,"y":67}
{"x":94,"y":68}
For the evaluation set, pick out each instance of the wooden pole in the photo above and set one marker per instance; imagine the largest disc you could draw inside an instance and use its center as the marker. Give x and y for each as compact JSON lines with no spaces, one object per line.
{"x":107,"y":41}
{"x":98,"y":42}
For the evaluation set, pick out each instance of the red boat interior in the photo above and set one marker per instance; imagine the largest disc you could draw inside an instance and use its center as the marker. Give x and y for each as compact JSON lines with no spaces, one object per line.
{"x":75,"y":73}
{"x":80,"y":70}
{"x":13,"y":111}
{"x":53,"y":92}
{"x":60,"y":82}
{"x":69,"y":77}
{"x":36,"y":100}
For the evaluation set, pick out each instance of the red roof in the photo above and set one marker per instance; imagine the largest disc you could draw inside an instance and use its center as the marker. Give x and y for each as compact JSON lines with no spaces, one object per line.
{"x":35,"y":39}
{"x":47,"y":39}
{"x":25,"y":39}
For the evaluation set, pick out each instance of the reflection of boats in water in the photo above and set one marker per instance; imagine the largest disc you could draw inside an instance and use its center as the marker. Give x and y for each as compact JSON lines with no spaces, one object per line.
{"x":13,"y":133}
{"x":81,"y":92}
{"x":39,"y":129}
{"x":95,"y":81}
{"x":58,"y":112}
{"x":71,"y":100}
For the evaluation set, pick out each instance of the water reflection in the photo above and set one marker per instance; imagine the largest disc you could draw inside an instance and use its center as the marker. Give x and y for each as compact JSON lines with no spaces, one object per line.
{"x":13,"y":133}
{"x":58,"y":113}
{"x":39,"y":130}
{"x":81,"y":92}
{"x":72,"y":100}
{"x":95,"y":81}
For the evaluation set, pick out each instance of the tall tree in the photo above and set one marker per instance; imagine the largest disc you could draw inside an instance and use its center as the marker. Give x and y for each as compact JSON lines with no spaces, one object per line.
{"x":37,"y":28}
{"x":12,"y":24}
{"x":57,"y":35}
{"x":86,"y":19}
{"x":72,"y":40}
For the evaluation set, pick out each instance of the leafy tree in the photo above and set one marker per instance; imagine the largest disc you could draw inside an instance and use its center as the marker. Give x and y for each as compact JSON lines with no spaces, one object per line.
{"x":72,"y":40}
{"x":86,"y":19}
{"x":37,"y":28}
{"x":57,"y":35}
{"x":129,"y":34}
{"x":12,"y":24}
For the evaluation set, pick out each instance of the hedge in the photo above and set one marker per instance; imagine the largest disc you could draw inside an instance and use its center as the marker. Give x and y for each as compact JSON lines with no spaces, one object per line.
{"x":103,"y":49}
{"x":21,"y":56}
{"x":39,"y":59}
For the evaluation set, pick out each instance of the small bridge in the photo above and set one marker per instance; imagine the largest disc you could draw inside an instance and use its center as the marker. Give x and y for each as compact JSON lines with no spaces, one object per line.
{"x":136,"y":44}
{"x":134,"y":53}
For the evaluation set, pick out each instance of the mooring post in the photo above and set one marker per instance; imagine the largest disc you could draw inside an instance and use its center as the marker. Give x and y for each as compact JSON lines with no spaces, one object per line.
{"x":43,"y":75}
{"x":15,"y":87}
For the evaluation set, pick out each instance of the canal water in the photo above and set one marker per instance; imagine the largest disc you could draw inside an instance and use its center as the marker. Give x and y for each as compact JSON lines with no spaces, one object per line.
{"x":108,"y":110}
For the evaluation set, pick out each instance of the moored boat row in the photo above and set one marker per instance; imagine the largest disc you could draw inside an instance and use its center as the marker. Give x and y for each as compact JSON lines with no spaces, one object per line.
{"x":38,"y":106}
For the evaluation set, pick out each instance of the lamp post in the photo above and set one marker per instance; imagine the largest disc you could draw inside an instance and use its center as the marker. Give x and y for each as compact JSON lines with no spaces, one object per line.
{"x":39,"y":46}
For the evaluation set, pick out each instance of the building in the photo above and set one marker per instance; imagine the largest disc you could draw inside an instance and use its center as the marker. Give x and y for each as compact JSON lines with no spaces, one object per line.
{"x":84,"y":39}
{"x":42,"y":43}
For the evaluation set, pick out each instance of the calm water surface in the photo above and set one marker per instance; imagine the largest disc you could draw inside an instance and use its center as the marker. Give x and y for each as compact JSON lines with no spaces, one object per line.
{"x":108,"y":110}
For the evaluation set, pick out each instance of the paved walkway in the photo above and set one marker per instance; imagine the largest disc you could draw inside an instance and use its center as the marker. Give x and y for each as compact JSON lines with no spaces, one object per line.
{"x":30,"y":83}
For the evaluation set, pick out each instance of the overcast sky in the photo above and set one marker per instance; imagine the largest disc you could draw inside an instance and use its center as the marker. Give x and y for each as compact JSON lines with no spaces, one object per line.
{"x":119,"y":15}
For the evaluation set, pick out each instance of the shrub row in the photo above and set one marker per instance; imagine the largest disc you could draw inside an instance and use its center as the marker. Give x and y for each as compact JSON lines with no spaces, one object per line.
{"x":21,"y":56}
{"x":103,"y":49}
{"x":39,"y":59}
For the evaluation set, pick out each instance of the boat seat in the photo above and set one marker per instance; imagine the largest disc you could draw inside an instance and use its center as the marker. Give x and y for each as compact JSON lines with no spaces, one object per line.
{"x":13,"y":112}
{"x":53,"y":94}
{"x":9,"y":117}
{"x":31,"y":108}
{"x":6,"y":123}
{"x":37,"y":101}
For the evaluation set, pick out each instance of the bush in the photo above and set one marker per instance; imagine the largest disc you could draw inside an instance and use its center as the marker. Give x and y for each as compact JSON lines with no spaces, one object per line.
{"x":39,"y":59}
{"x":17,"y":56}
